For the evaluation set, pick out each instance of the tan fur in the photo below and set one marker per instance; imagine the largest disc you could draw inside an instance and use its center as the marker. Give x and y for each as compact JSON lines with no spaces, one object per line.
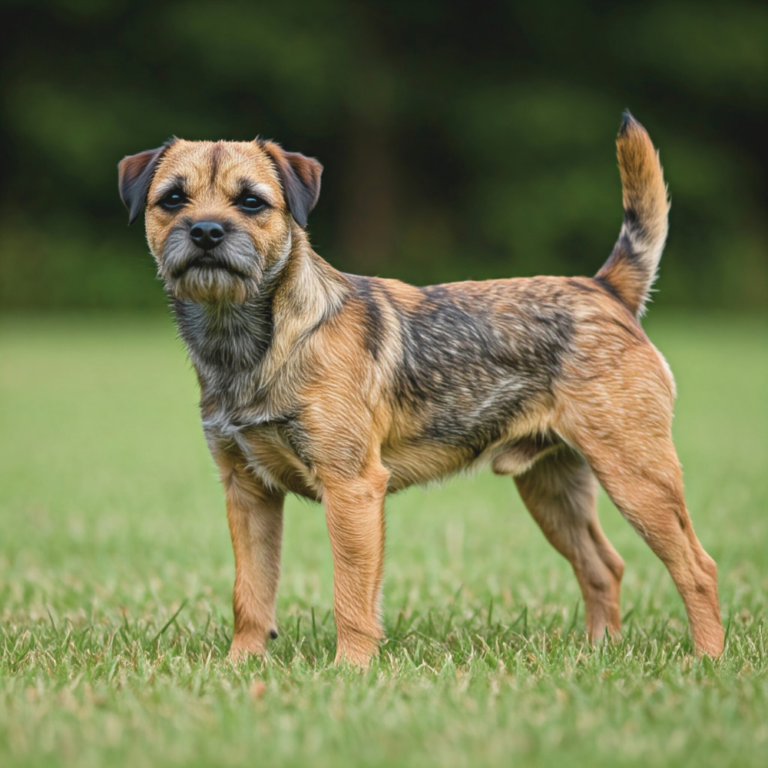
{"x":255,"y":518}
{"x":324,"y":410}
{"x":560,"y":492}
{"x":619,"y":417}
{"x":631,"y":270}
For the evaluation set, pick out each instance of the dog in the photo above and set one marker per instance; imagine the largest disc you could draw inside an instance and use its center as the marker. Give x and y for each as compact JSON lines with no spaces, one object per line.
{"x":343,"y":389}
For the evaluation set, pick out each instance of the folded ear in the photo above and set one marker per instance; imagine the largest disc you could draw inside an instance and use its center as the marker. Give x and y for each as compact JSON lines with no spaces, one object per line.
{"x":135,"y":174}
{"x":300,"y":177}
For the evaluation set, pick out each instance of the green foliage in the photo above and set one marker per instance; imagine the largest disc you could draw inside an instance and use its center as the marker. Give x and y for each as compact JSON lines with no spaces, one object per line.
{"x":116,"y":571}
{"x":458,"y":142}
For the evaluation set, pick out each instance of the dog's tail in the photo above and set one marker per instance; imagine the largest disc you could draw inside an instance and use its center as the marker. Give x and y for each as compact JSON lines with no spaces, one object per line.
{"x":633,"y":264}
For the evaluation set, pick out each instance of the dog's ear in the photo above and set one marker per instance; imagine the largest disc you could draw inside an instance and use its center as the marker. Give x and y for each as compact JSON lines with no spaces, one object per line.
{"x":135,"y":174}
{"x":300,"y":177}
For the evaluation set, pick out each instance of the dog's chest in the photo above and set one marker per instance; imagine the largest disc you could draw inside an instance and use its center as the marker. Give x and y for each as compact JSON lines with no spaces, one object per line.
{"x":273,"y":446}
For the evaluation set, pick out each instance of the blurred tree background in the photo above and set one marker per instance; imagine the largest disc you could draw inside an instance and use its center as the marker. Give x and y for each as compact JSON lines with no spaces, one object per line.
{"x":460,"y":140}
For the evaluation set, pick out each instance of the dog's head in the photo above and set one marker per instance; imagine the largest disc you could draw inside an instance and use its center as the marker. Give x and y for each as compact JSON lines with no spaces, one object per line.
{"x":219,"y":215}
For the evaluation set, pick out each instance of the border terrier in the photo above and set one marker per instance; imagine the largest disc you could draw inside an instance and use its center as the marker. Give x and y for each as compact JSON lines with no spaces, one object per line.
{"x":343,"y":389}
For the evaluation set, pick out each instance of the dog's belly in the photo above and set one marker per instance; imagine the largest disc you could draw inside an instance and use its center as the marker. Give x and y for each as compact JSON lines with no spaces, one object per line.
{"x":422,"y":463}
{"x":419,"y":463}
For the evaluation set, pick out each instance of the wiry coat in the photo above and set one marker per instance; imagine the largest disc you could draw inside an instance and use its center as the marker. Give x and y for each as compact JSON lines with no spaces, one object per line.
{"x":343,"y":388}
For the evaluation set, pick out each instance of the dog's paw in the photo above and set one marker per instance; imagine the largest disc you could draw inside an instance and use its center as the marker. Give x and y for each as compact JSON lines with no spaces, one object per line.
{"x":245,"y":646}
{"x":357,"y":650}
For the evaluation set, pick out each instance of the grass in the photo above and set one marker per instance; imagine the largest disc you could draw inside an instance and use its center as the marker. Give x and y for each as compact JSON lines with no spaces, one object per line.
{"x":115,"y":577}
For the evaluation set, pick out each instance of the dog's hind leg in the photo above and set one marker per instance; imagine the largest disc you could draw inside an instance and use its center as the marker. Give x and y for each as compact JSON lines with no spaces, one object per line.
{"x":560,"y":491}
{"x":624,"y":431}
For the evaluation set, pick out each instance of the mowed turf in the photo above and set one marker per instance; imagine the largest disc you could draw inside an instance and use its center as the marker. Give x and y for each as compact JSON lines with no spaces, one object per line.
{"x":116,"y":570}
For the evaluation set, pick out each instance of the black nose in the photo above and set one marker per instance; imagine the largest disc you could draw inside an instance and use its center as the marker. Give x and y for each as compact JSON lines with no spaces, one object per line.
{"x":207,"y":234}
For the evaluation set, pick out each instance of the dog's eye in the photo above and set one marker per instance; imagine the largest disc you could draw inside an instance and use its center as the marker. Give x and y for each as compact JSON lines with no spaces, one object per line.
{"x":250,"y":202}
{"x":173,"y":200}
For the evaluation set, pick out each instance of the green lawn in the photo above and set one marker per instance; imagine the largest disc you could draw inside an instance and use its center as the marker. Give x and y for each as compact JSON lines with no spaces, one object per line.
{"x":115,"y":577}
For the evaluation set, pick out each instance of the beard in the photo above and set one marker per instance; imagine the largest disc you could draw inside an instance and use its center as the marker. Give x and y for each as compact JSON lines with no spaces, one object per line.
{"x":230,"y":272}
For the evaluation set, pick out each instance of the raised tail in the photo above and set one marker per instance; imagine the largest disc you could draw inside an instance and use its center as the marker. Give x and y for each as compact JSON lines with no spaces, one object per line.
{"x":632,"y":266}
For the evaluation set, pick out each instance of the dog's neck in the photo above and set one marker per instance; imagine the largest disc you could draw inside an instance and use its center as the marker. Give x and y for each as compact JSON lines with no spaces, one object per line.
{"x":227,"y":337}
{"x":238,"y":348}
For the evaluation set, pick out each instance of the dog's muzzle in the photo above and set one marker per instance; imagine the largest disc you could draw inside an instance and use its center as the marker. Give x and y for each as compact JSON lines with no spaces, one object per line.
{"x":197,"y":267}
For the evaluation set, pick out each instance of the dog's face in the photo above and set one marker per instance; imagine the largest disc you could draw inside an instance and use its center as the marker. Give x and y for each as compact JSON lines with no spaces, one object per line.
{"x":219,"y":215}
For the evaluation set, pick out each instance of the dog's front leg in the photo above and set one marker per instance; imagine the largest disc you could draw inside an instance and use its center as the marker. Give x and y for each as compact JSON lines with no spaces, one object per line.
{"x":255,"y":516}
{"x":354,"y":511}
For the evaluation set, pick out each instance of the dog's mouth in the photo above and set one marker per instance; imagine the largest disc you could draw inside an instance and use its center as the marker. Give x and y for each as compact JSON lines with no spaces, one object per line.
{"x":205,"y":261}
